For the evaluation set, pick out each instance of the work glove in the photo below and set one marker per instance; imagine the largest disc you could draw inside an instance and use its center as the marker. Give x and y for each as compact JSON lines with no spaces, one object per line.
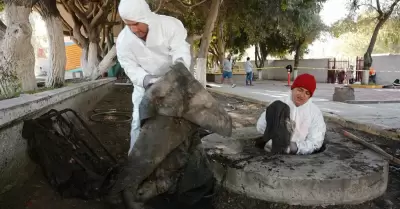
{"x":291,"y":126}
{"x":179,"y":60}
{"x":150,"y":80}
{"x":292,"y":149}
{"x":180,"y":64}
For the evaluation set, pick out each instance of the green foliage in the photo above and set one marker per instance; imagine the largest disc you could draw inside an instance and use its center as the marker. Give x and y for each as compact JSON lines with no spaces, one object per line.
{"x":303,"y":24}
{"x":39,"y":90}
{"x":10,"y":85}
{"x":383,"y":11}
{"x":193,"y":19}
{"x":365,"y":23}
{"x":239,"y":43}
{"x":280,"y":25}
{"x":355,"y":35}
{"x":276,"y":25}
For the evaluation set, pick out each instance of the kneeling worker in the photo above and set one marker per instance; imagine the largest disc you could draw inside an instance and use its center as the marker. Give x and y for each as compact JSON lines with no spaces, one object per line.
{"x":309,"y":126}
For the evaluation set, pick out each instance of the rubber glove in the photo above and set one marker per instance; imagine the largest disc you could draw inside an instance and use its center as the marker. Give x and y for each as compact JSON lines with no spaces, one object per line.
{"x":179,"y":60}
{"x":293,"y":148}
{"x":150,"y":80}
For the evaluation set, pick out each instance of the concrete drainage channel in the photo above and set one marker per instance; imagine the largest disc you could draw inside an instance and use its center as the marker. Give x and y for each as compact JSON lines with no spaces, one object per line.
{"x":247,"y":188}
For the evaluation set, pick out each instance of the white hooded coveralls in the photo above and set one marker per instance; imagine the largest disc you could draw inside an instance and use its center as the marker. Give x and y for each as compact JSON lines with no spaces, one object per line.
{"x":310,"y":128}
{"x":165,"y":43}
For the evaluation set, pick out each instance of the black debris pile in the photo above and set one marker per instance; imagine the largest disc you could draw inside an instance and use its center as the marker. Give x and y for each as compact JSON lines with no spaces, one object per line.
{"x":74,"y":161}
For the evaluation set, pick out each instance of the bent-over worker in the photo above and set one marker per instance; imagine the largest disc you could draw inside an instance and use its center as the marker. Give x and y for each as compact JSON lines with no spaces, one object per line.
{"x":147,"y":46}
{"x":309,"y":131}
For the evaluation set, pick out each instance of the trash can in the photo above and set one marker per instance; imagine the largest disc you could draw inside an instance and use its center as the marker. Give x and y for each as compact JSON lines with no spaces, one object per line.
{"x":114,"y":70}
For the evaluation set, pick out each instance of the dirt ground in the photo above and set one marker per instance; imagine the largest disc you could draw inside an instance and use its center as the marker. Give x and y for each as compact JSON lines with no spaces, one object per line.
{"x":36,"y":194}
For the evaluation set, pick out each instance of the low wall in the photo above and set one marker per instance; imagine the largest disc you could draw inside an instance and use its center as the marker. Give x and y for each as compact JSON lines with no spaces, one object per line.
{"x":276,"y":69}
{"x":387,"y":68}
{"x":15,"y":165}
{"x":237,"y":78}
{"x":306,"y":65}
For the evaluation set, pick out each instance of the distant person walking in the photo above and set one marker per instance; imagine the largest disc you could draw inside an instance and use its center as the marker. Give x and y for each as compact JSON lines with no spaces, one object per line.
{"x":372,"y":75}
{"x":227,"y":71}
{"x":248,"y":67}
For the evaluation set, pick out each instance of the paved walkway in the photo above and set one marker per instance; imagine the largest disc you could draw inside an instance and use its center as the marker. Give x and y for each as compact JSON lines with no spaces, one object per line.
{"x":385,"y":115}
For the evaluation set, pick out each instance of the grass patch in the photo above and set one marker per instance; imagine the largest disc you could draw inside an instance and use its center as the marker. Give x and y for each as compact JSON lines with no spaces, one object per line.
{"x":38,"y":90}
{"x":14,"y":96}
{"x":42,"y":88}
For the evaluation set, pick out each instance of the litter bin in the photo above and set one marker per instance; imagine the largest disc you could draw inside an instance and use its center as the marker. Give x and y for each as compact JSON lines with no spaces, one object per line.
{"x":114,"y":70}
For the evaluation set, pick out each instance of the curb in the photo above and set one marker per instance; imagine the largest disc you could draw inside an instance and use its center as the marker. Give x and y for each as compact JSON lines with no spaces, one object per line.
{"x":246,"y":99}
{"x":360,"y":86}
{"x":368,"y":128}
{"x":371,"y":101}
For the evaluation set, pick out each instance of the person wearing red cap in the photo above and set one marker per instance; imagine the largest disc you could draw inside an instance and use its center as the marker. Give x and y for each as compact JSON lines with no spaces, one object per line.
{"x":309,"y":131}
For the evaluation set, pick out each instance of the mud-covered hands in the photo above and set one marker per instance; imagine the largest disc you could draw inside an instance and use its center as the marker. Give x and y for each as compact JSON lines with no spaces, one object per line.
{"x":152,"y":79}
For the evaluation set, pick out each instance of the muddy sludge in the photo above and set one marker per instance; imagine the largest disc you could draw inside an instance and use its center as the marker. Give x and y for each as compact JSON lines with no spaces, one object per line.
{"x":36,"y":194}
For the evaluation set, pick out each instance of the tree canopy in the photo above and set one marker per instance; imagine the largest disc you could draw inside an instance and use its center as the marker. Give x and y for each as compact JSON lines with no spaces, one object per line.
{"x":273,"y":26}
{"x":384,"y":10}
{"x":280,"y":27}
{"x":215,"y":27}
{"x":354,"y":34}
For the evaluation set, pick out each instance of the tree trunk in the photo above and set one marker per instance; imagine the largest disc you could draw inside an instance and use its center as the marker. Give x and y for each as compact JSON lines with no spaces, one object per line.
{"x":89,"y":21}
{"x":93,"y":59}
{"x":51,"y":16}
{"x":106,"y":63}
{"x":261,"y":55}
{"x":296,"y":60}
{"x":17,"y":58}
{"x":190,"y":39}
{"x":89,"y":59}
{"x":367,"y":56}
{"x":57,"y":52}
{"x":84,"y":59}
{"x":258,"y":60}
{"x":3,"y":29}
{"x":201,"y":70}
{"x":221,"y":43}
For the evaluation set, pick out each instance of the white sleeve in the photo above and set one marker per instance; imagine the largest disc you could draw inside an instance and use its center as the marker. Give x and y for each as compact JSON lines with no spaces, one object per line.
{"x":127,"y":59}
{"x":262,"y":123}
{"x":315,"y":137}
{"x":178,"y":45}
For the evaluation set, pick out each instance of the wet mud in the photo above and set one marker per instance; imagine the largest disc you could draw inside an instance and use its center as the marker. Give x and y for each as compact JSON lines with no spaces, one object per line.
{"x":37,"y":194}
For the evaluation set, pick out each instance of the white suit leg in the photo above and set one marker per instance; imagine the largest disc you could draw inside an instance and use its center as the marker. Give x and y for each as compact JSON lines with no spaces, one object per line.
{"x":135,"y":128}
{"x":137,"y":96}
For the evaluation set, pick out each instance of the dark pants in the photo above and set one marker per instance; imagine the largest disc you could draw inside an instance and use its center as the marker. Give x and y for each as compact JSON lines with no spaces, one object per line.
{"x":372,"y":78}
{"x":249,"y":77}
{"x":278,"y":129}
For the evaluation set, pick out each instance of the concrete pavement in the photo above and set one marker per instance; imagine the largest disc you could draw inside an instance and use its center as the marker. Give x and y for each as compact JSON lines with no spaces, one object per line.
{"x":382,"y":119}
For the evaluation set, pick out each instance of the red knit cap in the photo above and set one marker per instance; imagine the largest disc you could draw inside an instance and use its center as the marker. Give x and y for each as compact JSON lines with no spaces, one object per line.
{"x":306,"y":81}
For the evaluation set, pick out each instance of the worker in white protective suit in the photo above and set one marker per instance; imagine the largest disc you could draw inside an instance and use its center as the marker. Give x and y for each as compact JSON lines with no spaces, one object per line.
{"x":147,"y":46}
{"x":309,"y":131}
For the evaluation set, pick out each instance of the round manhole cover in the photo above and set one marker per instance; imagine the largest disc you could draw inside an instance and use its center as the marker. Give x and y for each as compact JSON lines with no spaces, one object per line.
{"x":111,"y":117}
